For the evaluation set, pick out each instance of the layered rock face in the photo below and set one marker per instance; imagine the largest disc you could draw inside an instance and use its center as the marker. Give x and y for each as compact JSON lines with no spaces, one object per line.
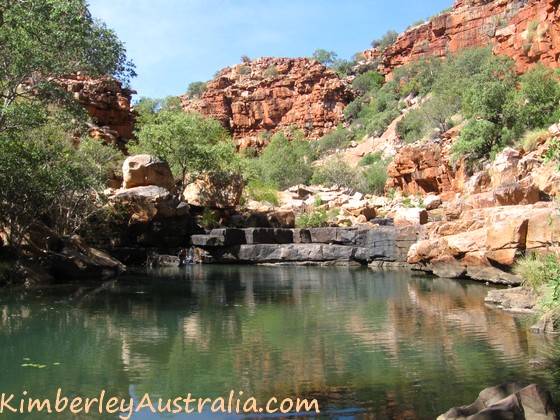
{"x":527,"y":31}
{"x":107,"y":103}
{"x":273,"y":94}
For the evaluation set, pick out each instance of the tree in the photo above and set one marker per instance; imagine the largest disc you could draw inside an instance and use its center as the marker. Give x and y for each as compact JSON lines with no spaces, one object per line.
{"x":196,"y":89}
{"x":326,"y":58}
{"x":41,"y":41}
{"x":190,"y":142}
{"x":387,"y":39}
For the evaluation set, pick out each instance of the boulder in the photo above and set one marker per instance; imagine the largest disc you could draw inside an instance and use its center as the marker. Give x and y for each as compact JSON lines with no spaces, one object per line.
{"x":432,"y":202}
{"x":410,"y":216}
{"x":148,"y":202}
{"x":76,"y":261}
{"x":518,"y":300}
{"x":508,"y":401}
{"x":504,"y":168}
{"x":220,"y":191}
{"x":143,"y":170}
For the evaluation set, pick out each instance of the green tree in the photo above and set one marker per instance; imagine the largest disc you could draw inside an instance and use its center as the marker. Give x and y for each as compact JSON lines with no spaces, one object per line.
{"x":326,"y":58}
{"x":387,"y":39}
{"x":284,"y":163}
{"x":46,"y":178}
{"x":196,"y":89}
{"x":190,"y":142}
{"x":41,"y":41}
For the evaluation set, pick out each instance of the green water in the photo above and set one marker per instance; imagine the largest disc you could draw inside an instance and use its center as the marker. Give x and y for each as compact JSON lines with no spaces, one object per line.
{"x":365,"y":344}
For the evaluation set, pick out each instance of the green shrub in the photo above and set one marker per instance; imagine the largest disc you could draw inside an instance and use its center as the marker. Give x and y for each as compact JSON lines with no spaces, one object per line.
{"x":477,"y":139}
{"x":377,"y":124}
{"x":370,"y":159}
{"x":284,"y":163}
{"x":259,"y":191}
{"x":338,"y":139}
{"x":196,"y":89}
{"x":368,"y":81}
{"x":317,"y":218}
{"x":243,"y":70}
{"x":335,"y":171}
{"x":387,"y":39}
{"x":529,"y":141}
{"x":270,"y":72}
{"x":376,"y":177}
{"x":412,"y":127}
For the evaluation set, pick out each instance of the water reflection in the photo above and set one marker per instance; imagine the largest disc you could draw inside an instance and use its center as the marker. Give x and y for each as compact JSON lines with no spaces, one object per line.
{"x":385,"y":344}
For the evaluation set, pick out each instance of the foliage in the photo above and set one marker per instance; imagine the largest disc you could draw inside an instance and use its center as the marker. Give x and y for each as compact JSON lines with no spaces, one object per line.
{"x":293,"y":168}
{"x":529,"y":140}
{"x":45,"y":178}
{"x":368,"y":81}
{"x":387,"y":39}
{"x":244,"y":70}
{"x":208,"y":219}
{"x":196,"y":89}
{"x":538,"y":98}
{"x":189,"y":142}
{"x":270,"y":72}
{"x":314,"y":219}
{"x":245,"y":59}
{"x":477,"y":139}
{"x":370,"y":159}
{"x":338,"y":139}
{"x":45,"y":40}
{"x":326,"y":58}
{"x":259,"y":191}
{"x":376,"y":177}
{"x":413,"y":126}
{"x":335,"y":171}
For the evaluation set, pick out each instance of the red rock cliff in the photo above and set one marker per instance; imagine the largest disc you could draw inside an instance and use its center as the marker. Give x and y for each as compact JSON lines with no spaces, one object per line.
{"x":526,"y":30}
{"x":272,"y":94}
{"x":108,"y":104}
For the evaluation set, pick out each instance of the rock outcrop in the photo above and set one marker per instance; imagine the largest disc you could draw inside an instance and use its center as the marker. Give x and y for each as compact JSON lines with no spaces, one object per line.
{"x":107,"y":103}
{"x":272,"y":94}
{"x":316,"y":246}
{"x":507,"y":401}
{"x":526,"y":30}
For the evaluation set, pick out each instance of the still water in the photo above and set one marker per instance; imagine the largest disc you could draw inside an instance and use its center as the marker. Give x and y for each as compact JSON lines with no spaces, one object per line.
{"x":365,"y":344}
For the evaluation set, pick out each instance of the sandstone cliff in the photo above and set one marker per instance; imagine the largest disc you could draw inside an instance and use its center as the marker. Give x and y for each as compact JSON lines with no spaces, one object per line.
{"x":108,"y":104}
{"x":272,"y":94}
{"x":526,"y":30}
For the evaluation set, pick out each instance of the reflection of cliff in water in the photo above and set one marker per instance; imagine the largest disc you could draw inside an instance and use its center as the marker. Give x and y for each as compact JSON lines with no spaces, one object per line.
{"x":381,"y":342}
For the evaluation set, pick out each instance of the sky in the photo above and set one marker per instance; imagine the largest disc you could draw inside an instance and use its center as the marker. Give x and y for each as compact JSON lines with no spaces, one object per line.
{"x":176,"y":42}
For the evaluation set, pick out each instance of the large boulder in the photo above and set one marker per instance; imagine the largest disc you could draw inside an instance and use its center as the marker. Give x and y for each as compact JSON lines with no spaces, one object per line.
{"x":508,"y":401}
{"x":220,"y":191}
{"x":410,"y":216}
{"x":143,"y":170}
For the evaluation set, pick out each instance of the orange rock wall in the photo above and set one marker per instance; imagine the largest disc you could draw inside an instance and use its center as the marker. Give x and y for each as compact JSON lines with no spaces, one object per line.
{"x":273,"y":94}
{"x":526,"y":30}
{"x":107,"y":103}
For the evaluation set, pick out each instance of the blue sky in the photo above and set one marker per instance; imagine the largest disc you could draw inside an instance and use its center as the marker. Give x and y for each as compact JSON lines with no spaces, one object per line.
{"x":176,"y":42}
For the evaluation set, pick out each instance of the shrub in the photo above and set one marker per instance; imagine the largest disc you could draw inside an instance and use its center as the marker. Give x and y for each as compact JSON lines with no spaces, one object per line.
{"x":387,"y":39}
{"x":317,"y":218}
{"x":529,"y":141}
{"x":245,"y":59}
{"x":336,"y":171}
{"x":294,"y":166}
{"x":196,"y":89}
{"x":243,"y":70}
{"x":259,"y":191}
{"x":270,"y":72}
{"x":538,"y":98}
{"x":368,"y":81}
{"x":370,"y":159}
{"x":376,"y":177}
{"x":338,"y":139}
{"x":326,"y":58}
{"x":477,"y":139}
{"x":412,"y":127}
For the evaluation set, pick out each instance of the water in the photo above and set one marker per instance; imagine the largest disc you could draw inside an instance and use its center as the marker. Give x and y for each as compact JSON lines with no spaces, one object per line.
{"x":365,"y":344}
